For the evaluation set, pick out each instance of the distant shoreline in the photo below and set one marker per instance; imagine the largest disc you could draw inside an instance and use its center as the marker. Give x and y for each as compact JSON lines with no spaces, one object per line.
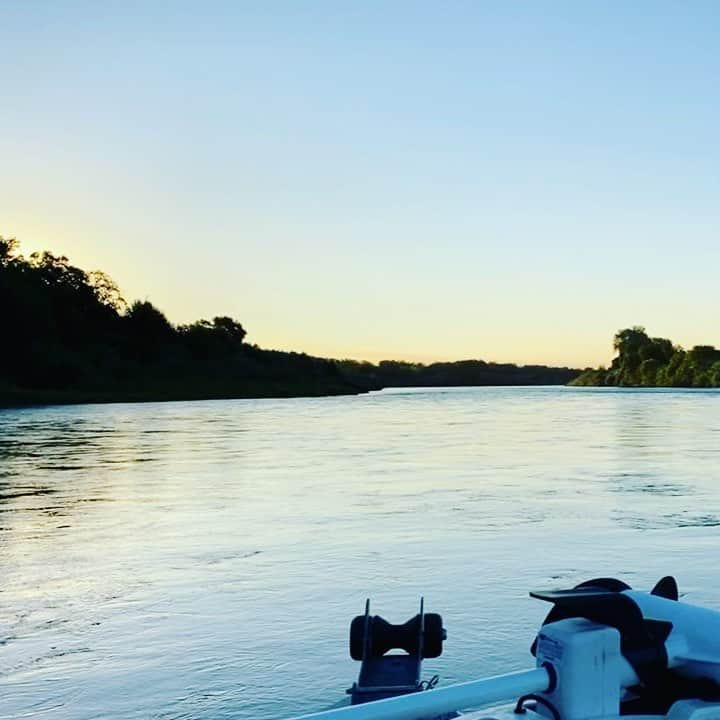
{"x":348,"y":382}
{"x":33,"y":398}
{"x":16,"y":399}
{"x":653,"y":362}
{"x":72,"y":338}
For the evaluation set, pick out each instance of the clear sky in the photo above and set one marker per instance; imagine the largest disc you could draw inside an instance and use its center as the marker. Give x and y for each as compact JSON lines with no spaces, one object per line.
{"x":507,"y":180}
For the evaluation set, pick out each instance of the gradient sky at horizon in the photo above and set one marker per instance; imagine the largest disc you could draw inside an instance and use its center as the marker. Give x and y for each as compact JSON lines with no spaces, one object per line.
{"x":503,"y":180}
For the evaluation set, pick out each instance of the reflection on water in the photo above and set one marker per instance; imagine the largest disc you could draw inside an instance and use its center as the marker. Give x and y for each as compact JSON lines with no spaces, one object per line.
{"x":202,"y":560}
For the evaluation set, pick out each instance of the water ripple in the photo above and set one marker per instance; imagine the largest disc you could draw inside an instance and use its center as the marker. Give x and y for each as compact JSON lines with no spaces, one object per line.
{"x":203,"y":560}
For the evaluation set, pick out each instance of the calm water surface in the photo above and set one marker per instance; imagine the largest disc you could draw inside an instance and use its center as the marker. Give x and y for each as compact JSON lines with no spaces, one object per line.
{"x":203,"y":560}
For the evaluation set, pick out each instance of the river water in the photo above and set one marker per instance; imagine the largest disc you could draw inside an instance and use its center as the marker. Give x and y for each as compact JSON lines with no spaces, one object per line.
{"x":203,"y":559}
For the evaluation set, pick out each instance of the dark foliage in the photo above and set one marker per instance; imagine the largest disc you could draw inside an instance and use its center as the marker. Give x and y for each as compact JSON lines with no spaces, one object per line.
{"x":390,"y":373}
{"x":69,"y":336}
{"x":643,"y":361}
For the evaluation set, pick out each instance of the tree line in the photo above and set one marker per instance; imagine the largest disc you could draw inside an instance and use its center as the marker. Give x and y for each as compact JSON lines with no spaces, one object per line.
{"x":392,"y":373}
{"x":70,"y":336}
{"x":644,"y":361}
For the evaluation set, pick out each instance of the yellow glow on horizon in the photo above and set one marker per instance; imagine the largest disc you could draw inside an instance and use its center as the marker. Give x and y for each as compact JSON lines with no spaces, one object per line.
{"x":187,"y":294}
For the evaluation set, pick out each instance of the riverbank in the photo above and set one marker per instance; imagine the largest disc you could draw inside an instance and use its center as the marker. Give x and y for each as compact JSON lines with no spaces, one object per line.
{"x":74,"y":339}
{"x":338,"y":377}
{"x":644,"y":361}
{"x":17,"y":397}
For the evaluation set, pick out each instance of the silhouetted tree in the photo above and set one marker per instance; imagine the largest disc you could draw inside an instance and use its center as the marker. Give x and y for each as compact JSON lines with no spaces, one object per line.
{"x":644,"y":361}
{"x":148,"y":326}
{"x":232,"y":328}
{"x":68,"y":331}
{"x":8,"y":250}
{"x":106,"y":290}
